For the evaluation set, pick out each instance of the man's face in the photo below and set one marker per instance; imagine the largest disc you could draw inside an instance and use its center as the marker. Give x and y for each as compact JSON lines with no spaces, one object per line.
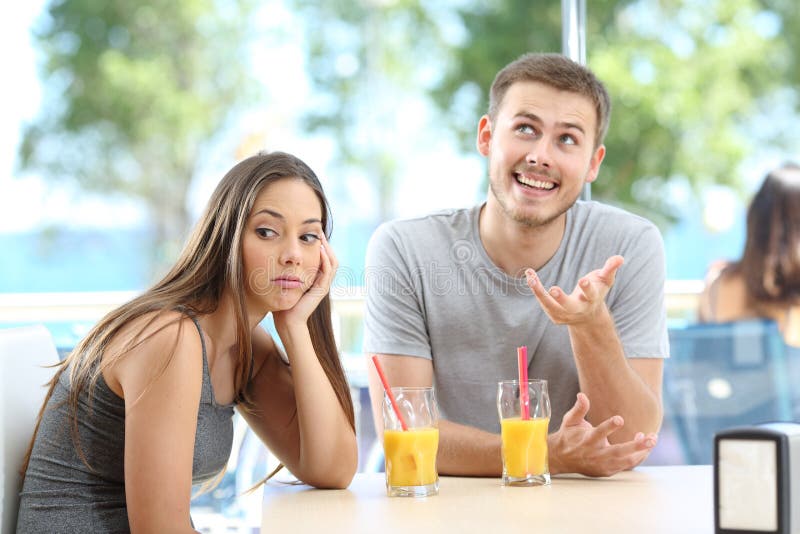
{"x":541,"y":152}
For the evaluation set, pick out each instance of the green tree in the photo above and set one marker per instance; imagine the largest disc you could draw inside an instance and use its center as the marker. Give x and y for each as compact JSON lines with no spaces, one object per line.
{"x":133,"y":92}
{"x":688,"y":79}
{"x":367,"y":62}
{"x":692,"y":81}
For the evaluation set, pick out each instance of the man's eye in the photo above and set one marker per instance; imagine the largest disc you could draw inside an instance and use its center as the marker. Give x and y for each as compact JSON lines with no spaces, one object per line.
{"x":265,"y":232}
{"x":569,"y":139}
{"x":526,"y":129}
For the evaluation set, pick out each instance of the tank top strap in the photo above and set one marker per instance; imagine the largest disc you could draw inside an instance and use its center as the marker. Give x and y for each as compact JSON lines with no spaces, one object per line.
{"x":207,"y":395}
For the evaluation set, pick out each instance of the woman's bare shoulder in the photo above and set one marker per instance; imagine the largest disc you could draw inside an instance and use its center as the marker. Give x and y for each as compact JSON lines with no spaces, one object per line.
{"x":715,"y":270}
{"x":732,"y":302}
{"x":149,"y":344}
{"x":155,"y":330}
{"x":723,"y":297}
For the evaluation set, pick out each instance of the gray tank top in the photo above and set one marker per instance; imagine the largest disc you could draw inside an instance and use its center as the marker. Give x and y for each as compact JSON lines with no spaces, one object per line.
{"x":60,"y":494}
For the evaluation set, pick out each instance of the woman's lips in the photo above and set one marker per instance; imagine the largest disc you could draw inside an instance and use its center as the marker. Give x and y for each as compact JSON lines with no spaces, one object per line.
{"x":288,"y":282}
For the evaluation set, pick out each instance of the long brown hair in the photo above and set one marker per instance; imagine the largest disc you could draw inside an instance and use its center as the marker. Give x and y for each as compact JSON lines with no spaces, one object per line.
{"x":210,"y":262}
{"x":770,"y":264}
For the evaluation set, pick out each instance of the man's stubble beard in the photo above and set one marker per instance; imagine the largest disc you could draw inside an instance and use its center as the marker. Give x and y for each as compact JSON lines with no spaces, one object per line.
{"x":530,"y":222}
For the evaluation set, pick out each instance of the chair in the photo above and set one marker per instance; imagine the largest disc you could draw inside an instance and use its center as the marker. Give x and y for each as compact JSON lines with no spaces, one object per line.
{"x":24,"y":353}
{"x":724,"y":375}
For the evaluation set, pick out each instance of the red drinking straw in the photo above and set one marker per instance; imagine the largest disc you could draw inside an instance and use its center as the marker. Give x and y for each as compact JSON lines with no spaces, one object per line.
{"x":524,"y":400}
{"x":388,"y":391}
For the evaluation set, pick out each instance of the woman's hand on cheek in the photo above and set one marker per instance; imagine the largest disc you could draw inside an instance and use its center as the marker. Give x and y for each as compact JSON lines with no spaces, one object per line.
{"x":308,"y":302}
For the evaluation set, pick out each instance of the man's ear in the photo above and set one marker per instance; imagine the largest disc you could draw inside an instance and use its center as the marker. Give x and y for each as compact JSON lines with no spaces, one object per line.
{"x":484,"y":138}
{"x":594,"y":164}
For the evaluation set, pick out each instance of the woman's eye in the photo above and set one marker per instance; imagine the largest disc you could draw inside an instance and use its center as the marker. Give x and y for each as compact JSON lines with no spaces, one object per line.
{"x":265,"y":232}
{"x":309,"y":238}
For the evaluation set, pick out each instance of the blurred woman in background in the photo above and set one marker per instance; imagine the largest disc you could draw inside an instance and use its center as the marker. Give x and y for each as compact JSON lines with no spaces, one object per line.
{"x":765,"y":282}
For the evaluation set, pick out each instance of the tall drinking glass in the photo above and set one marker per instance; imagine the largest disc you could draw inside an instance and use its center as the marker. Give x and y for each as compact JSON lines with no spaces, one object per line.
{"x":411,"y":453}
{"x":523,"y":428}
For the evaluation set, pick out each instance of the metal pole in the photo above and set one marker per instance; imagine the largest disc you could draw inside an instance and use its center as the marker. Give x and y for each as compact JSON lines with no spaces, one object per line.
{"x":573,"y":45}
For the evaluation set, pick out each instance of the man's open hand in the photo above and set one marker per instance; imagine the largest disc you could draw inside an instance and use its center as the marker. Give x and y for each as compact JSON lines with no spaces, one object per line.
{"x":585,"y":302}
{"x":579,"y":447}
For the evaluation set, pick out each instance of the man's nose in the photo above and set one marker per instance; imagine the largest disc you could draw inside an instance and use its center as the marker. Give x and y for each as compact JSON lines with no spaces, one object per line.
{"x":539,"y":154}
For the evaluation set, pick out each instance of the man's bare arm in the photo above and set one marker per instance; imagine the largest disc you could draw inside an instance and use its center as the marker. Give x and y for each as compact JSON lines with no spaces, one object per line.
{"x":577,"y":447}
{"x":617,"y":385}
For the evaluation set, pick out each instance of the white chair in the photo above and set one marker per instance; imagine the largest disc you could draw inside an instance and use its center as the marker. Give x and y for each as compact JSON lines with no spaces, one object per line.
{"x":24,"y":354}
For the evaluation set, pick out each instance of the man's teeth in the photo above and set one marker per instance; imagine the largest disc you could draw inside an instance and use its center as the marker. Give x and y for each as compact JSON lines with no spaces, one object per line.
{"x":535,"y":183}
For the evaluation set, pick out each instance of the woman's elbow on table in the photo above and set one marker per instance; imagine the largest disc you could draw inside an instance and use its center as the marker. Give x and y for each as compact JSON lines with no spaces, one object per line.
{"x":336,"y":477}
{"x":336,"y":472}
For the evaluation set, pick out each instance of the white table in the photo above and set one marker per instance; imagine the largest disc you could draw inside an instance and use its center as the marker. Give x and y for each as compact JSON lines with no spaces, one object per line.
{"x":668,"y":500}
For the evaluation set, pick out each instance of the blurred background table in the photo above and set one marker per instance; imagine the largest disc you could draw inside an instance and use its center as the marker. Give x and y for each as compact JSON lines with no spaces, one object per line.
{"x":663,"y":499}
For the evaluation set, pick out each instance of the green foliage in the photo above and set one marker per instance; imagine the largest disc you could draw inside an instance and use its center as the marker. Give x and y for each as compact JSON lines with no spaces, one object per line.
{"x":686,"y":78}
{"x":133,"y":91}
{"x":684,"y":90}
{"x":497,"y":33}
{"x":692,"y":81}
{"x":366,"y":60}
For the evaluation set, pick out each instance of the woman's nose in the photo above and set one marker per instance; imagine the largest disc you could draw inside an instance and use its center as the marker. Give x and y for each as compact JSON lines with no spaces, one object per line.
{"x":290,"y":254}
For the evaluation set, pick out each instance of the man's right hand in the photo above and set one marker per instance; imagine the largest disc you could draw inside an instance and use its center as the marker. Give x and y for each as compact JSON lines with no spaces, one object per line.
{"x":579,"y":447}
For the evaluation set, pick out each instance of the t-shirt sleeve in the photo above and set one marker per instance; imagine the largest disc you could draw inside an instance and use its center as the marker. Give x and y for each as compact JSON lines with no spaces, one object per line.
{"x":394,"y":316}
{"x":637,"y":299}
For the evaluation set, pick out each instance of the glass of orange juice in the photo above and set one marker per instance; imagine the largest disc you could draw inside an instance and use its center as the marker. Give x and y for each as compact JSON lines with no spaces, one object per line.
{"x":410,"y":453}
{"x":524,"y":420}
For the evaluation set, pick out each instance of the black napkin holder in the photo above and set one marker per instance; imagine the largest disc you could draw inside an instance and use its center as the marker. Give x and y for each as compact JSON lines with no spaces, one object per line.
{"x":757,"y":479}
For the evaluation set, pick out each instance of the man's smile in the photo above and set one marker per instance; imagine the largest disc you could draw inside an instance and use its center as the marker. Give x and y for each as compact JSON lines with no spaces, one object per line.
{"x":534,"y":183}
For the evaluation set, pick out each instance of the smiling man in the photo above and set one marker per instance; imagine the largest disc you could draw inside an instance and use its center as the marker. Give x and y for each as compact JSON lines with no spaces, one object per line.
{"x":451,"y":295}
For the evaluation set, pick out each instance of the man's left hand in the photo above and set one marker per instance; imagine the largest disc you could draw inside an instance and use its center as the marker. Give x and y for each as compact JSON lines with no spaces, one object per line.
{"x":586,"y":301}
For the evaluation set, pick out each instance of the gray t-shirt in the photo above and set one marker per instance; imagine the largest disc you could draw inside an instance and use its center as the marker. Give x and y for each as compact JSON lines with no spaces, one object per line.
{"x":433,"y":292}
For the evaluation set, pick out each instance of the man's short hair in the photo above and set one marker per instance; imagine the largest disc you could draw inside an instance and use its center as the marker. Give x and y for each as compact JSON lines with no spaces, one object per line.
{"x":558,"y":72}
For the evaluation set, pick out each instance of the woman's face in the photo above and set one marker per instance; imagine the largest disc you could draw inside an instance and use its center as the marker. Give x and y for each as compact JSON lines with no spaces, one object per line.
{"x":281,"y":245}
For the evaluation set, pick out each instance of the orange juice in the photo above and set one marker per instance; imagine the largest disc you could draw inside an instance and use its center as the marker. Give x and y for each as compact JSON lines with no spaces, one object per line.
{"x":411,"y":456}
{"x":524,"y":446}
